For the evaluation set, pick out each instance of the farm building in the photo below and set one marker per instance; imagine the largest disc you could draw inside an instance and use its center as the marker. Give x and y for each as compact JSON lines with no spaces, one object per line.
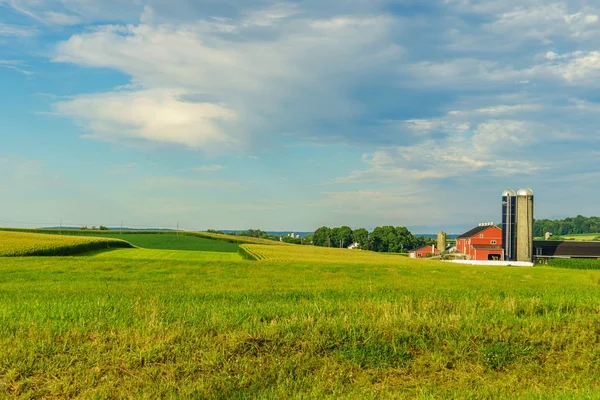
{"x":481,"y":243}
{"x":545,"y":249}
{"x":424,"y":251}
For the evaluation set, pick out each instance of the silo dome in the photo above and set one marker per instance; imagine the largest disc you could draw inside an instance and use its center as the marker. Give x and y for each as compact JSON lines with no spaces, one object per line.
{"x":525,"y":192}
{"x":508,"y":192}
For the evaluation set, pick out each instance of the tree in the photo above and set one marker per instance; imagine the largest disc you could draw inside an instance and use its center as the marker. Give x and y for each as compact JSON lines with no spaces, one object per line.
{"x":309,"y":239}
{"x":361,"y":236}
{"x":341,"y":237}
{"x":322,"y":237}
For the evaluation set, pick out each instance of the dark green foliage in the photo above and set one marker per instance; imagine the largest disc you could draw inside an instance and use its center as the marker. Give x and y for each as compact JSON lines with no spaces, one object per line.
{"x":361,"y":236}
{"x":172,"y":241}
{"x":322,"y":237}
{"x":376,"y":353}
{"x":386,"y":239}
{"x":498,"y":356}
{"x":567,"y":226}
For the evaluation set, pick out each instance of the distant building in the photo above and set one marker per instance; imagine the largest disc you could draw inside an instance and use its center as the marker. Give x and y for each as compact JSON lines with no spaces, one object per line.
{"x":424,"y":251}
{"x":547,"y":249}
{"x":481,"y":243}
{"x":354,"y":246}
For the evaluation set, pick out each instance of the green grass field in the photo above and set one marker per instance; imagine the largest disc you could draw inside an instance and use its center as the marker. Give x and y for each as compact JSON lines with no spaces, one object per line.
{"x":582,"y":236}
{"x":172,"y":241}
{"x":151,"y":323}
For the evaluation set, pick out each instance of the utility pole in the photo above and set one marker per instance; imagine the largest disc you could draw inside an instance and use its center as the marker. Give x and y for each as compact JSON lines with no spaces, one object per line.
{"x":121,"y":230}
{"x":60,"y":229}
{"x":177,"y":229}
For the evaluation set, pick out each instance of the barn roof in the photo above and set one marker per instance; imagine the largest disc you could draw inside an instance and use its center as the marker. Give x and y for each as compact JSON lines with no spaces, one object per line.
{"x":427,"y":247}
{"x":567,"y":248}
{"x":475,"y":231}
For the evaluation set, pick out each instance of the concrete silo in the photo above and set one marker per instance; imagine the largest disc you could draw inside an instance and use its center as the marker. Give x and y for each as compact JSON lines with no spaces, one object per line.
{"x":509,"y":224}
{"x":441,"y":241}
{"x":525,"y":225}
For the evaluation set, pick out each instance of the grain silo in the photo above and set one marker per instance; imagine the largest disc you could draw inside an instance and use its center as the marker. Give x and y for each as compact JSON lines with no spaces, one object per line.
{"x":525,"y":225}
{"x":509,"y":224}
{"x":441,"y":241}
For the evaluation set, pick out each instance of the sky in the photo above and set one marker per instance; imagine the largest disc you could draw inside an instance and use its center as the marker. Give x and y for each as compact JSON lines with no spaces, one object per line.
{"x":292,"y":115}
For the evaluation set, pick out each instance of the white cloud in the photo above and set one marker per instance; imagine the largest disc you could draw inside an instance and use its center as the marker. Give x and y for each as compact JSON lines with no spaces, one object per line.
{"x":57,"y":18}
{"x":15,"y":65}
{"x":154,"y":115}
{"x":16,"y":30}
{"x":230,"y":84}
{"x":578,"y":67}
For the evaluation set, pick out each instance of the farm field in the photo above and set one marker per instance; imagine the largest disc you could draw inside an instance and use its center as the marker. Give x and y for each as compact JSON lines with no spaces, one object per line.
{"x":151,"y":323}
{"x":181,"y":255}
{"x":27,"y":244}
{"x":321,"y":255}
{"x":582,"y":236}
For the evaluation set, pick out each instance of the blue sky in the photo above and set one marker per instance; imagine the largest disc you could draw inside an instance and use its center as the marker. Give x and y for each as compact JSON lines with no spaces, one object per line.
{"x":292,"y":115}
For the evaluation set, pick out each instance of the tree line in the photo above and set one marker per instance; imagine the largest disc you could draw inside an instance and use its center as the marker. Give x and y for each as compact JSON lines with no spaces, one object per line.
{"x":567,"y":226}
{"x":382,"y":239}
{"x":257,"y":233}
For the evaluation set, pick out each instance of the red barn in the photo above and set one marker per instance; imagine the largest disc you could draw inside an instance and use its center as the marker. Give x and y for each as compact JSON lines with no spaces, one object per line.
{"x":424,"y":251}
{"x":482,"y":243}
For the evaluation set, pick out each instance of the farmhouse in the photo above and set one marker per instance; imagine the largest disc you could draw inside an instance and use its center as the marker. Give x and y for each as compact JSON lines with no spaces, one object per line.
{"x":482,"y":243}
{"x":424,"y":251}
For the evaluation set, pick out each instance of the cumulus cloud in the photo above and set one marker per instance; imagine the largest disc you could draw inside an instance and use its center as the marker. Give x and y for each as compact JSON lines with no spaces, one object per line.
{"x":222,"y":71}
{"x":154,"y":115}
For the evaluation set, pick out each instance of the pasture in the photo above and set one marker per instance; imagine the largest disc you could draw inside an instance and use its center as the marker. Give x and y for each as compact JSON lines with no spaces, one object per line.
{"x":151,"y":323}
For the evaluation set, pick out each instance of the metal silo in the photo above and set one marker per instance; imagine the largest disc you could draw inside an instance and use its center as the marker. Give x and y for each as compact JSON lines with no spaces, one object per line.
{"x":525,"y":225}
{"x":441,"y":241}
{"x":509,"y":224}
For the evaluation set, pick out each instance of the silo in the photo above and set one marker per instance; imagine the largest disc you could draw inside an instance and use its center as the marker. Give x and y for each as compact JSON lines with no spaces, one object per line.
{"x":509,"y":224}
{"x":441,"y":241}
{"x":525,"y":225}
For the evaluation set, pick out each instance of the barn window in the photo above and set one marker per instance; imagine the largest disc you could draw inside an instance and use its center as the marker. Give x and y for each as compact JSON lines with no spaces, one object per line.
{"x":493,"y":242}
{"x":481,"y":235}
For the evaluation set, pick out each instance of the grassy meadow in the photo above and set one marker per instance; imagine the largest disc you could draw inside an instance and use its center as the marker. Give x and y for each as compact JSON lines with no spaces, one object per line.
{"x":574,"y":236}
{"x":152,"y":323}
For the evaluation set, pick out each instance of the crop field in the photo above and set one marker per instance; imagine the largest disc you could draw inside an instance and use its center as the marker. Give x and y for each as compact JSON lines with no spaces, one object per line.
{"x":29,"y":244}
{"x":575,"y":263}
{"x":152,"y":323}
{"x":171,"y":255}
{"x":168,"y":240}
{"x":172,"y":241}
{"x":574,"y":236}
{"x":320,"y":254}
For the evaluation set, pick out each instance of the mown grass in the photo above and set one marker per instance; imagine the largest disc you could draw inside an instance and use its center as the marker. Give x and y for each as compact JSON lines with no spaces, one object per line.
{"x":17,"y":244}
{"x":110,"y":326}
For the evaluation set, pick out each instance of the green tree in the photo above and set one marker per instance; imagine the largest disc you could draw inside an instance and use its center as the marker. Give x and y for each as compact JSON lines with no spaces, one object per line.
{"x":341,"y":237}
{"x":361,"y":236}
{"x":322,"y":237}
